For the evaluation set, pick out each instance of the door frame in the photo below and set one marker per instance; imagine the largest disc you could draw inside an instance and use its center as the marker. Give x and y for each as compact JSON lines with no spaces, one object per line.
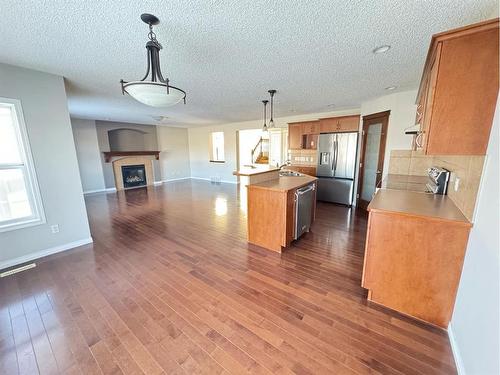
{"x":379,"y":117}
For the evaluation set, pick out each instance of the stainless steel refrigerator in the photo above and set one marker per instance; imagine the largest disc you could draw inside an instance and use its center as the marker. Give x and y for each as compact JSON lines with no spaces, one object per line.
{"x":336,"y":167}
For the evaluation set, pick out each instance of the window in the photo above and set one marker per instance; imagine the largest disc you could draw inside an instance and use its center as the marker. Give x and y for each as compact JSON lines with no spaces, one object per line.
{"x":20,"y":203}
{"x":217,"y":147}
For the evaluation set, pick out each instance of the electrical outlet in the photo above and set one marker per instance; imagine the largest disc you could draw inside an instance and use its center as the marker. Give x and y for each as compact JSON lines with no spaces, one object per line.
{"x":456,"y":186}
{"x":54,"y":228}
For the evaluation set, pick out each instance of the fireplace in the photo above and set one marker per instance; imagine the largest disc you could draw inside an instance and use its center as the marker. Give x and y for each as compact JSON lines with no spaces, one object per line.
{"x":134,"y":175}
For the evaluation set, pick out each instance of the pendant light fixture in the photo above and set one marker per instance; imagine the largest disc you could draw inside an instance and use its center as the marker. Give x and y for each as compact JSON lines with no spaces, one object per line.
{"x":264,"y":127}
{"x":153,"y":89}
{"x":271,"y":121}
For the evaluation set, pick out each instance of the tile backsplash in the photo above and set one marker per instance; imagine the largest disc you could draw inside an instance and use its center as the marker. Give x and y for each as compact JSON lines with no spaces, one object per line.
{"x":467,"y":169}
{"x":303,"y":157}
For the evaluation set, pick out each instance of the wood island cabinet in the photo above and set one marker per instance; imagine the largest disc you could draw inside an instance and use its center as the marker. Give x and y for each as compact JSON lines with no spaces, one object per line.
{"x":271,"y":211}
{"x":458,"y":91}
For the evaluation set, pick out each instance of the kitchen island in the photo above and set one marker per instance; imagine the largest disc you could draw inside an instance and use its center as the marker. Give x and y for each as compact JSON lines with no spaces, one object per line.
{"x":251,"y":175}
{"x":272,"y":210}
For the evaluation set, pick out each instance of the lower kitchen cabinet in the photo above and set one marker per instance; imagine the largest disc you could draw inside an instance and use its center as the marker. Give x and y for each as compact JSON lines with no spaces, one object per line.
{"x":310,"y":171}
{"x":413,"y":262}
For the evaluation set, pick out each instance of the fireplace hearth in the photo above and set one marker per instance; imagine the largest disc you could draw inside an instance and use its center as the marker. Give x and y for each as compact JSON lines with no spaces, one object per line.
{"x":134,"y":176}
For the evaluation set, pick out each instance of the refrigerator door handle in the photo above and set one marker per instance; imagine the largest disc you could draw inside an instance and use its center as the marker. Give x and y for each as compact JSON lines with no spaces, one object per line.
{"x":336,"y":154}
{"x":334,"y":158}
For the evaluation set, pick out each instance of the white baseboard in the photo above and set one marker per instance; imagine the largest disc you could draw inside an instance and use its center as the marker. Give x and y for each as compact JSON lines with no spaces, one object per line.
{"x":108,"y":190}
{"x":157,"y":182}
{"x":44,"y":253}
{"x":222,"y":181}
{"x":176,"y":179}
{"x":456,"y":352}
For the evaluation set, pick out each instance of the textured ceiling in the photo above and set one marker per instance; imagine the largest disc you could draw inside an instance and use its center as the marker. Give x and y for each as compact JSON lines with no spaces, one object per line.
{"x":227,"y":53}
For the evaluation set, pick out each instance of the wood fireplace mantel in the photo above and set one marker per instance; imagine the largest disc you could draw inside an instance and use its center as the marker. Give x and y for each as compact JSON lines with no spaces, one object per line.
{"x":108,"y":155}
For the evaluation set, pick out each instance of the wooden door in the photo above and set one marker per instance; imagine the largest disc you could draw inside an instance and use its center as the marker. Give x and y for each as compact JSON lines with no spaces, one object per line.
{"x":295,"y":136}
{"x":371,"y":165}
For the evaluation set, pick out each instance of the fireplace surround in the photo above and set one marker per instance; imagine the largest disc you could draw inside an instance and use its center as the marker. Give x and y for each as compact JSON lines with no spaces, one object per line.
{"x":140,"y":160}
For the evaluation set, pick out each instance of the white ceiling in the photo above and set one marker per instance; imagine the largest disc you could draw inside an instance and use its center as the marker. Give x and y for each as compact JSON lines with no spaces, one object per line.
{"x":227,"y":53}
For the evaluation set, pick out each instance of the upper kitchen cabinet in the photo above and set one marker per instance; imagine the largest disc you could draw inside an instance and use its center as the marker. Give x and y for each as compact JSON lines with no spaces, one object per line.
{"x":310,"y":127}
{"x":302,"y":134}
{"x":339,"y":124}
{"x":458,"y":91}
{"x":295,"y":136}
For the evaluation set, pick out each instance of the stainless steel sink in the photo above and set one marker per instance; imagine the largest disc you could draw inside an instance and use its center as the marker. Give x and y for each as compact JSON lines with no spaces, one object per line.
{"x":289,"y":174}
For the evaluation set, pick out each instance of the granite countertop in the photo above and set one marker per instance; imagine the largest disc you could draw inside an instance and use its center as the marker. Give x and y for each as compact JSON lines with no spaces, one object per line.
{"x":284,"y":183}
{"x":417,"y":204}
{"x":253,"y":171}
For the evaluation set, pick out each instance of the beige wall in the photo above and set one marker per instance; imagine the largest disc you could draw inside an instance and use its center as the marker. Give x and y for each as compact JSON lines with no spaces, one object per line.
{"x":45,"y":110}
{"x":88,"y":155}
{"x":467,"y":169}
{"x":174,"y":153}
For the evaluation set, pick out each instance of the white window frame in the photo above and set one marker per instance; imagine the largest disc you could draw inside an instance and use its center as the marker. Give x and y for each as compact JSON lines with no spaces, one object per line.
{"x":27,"y":166}
{"x":213,"y":157}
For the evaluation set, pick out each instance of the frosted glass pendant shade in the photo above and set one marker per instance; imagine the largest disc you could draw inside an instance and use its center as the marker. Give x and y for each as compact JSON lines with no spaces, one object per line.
{"x":153,"y":89}
{"x":154,"y":94}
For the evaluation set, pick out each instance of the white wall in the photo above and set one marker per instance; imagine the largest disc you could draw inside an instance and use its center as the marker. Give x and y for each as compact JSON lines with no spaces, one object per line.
{"x":45,"y":110}
{"x":248,"y":139}
{"x":475,"y":323}
{"x":403,"y":109}
{"x":199,"y":144}
{"x":88,"y":155}
{"x":174,"y":156}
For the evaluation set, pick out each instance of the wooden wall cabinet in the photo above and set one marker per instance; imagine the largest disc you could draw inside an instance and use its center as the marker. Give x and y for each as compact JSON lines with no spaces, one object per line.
{"x":310,"y":141}
{"x":295,"y":136}
{"x":339,"y":124}
{"x":310,"y":127}
{"x":304,"y":135}
{"x":458,"y":91}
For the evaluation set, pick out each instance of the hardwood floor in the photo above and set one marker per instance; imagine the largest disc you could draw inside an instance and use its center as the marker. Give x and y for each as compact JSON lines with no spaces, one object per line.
{"x":170,"y":285}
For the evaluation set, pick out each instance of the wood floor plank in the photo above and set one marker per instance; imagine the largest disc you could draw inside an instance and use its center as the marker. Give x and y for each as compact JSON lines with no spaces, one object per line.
{"x":171,"y":286}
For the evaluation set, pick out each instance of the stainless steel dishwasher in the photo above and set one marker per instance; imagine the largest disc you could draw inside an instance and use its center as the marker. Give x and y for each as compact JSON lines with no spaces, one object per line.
{"x":303,"y":209}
